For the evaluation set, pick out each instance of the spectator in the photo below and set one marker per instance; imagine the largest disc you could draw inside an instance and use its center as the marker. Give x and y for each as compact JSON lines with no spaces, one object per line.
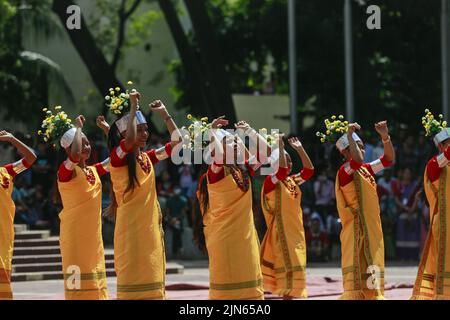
{"x":388,"y":206}
{"x":186,"y":171}
{"x":164,"y":187}
{"x":324,"y":194}
{"x":44,"y":168}
{"x":406,"y":154}
{"x":408,"y":223}
{"x":175,"y":217}
{"x":317,"y":240}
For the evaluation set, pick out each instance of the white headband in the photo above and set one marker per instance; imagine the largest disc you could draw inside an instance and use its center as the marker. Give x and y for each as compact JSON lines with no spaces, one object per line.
{"x":67,"y":138}
{"x":442,"y":136}
{"x":122,"y":123}
{"x":343,"y":143}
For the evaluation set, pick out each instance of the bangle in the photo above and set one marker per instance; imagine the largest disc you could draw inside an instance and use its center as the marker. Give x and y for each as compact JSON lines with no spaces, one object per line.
{"x":167,"y":118}
{"x":387,"y":140}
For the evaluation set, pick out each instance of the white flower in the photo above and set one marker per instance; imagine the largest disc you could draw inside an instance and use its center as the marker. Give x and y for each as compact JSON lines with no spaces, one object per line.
{"x":120,"y":107}
{"x":107,"y":98}
{"x":186,"y":137}
{"x":122,"y":95}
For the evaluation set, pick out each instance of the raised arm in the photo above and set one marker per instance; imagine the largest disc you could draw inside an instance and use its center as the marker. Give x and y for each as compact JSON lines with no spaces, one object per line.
{"x":243,"y":128}
{"x":75,"y":149}
{"x":382,"y":129}
{"x":216,"y":145}
{"x":25,"y":151}
{"x":159,"y":108}
{"x":298,"y":147}
{"x":355,"y":152}
{"x":103,"y":124}
{"x":131,"y":134}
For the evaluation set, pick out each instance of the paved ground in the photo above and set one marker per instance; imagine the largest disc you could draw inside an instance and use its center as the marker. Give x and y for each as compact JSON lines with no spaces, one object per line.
{"x":323,"y":282}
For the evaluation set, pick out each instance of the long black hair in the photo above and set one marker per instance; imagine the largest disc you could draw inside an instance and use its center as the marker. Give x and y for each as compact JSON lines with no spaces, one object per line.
{"x":114,"y":138}
{"x":201,"y":206}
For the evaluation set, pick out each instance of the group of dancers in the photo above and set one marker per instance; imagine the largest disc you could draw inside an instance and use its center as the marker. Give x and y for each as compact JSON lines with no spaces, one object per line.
{"x":239,"y":266}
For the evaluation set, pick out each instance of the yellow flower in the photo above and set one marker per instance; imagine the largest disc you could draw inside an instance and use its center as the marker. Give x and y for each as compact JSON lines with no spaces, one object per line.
{"x":189,"y":116}
{"x":328,"y":132}
{"x":130,"y":83}
{"x":58,"y":108}
{"x":333,"y":117}
{"x":204,"y":119}
{"x":40,"y":132}
{"x":322,"y":140}
{"x":444,"y":124}
{"x":117,"y":89}
{"x":45,"y":109}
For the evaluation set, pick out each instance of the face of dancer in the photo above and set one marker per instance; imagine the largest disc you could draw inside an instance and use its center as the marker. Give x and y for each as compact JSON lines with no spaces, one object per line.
{"x":85,"y":148}
{"x":142,"y":135}
{"x":230,"y":148}
{"x":443,"y":145}
{"x":346,"y":152}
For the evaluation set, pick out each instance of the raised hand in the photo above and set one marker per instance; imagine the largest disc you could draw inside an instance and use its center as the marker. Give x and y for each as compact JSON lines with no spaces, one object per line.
{"x":295,"y":143}
{"x":5,"y":136}
{"x":382,"y":129}
{"x":101,"y":122}
{"x":134,"y":99}
{"x":219,"y":122}
{"x":352,"y":127}
{"x":79,"y":121}
{"x":158,"y":107}
{"x":243,"y":125}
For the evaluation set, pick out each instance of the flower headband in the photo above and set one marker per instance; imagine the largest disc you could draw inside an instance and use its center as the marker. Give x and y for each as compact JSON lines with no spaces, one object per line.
{"x":119,"y":102}
{"x":435,"y":128}
{"x":336,"y":130}
{"x":56,"y":127}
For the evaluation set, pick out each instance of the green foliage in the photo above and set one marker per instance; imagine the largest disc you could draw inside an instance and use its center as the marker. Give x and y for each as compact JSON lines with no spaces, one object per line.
{"x":25,"y":76}
{"x":396,"y":69}
{"x":105,"y":25}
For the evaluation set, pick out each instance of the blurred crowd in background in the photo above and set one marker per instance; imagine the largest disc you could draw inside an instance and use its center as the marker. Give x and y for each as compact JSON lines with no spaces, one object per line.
{"x":404,"y":211}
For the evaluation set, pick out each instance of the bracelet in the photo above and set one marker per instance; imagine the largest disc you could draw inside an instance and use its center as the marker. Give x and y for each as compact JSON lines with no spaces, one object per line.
{"x":387,"y":140}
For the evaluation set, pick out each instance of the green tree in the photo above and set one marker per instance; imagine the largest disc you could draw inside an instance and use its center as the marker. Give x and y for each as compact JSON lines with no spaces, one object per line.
{"x":25,"y":76}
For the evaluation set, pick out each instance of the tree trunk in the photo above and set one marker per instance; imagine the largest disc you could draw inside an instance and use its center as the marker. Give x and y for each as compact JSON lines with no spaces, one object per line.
{"x":211,"y":55}
{"x":195,"y":80}
{"x":102,"y":73}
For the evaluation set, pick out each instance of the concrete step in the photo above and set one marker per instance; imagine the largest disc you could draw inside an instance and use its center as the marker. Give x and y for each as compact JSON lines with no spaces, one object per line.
{"x":51,"y":258}
{"x":33,"y":251}
{"x":20,"y":227}
{"x":32,"y":234}
{"x":49,"y":242}
{"x":47,"y":267}
{"x":171,"y":268}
